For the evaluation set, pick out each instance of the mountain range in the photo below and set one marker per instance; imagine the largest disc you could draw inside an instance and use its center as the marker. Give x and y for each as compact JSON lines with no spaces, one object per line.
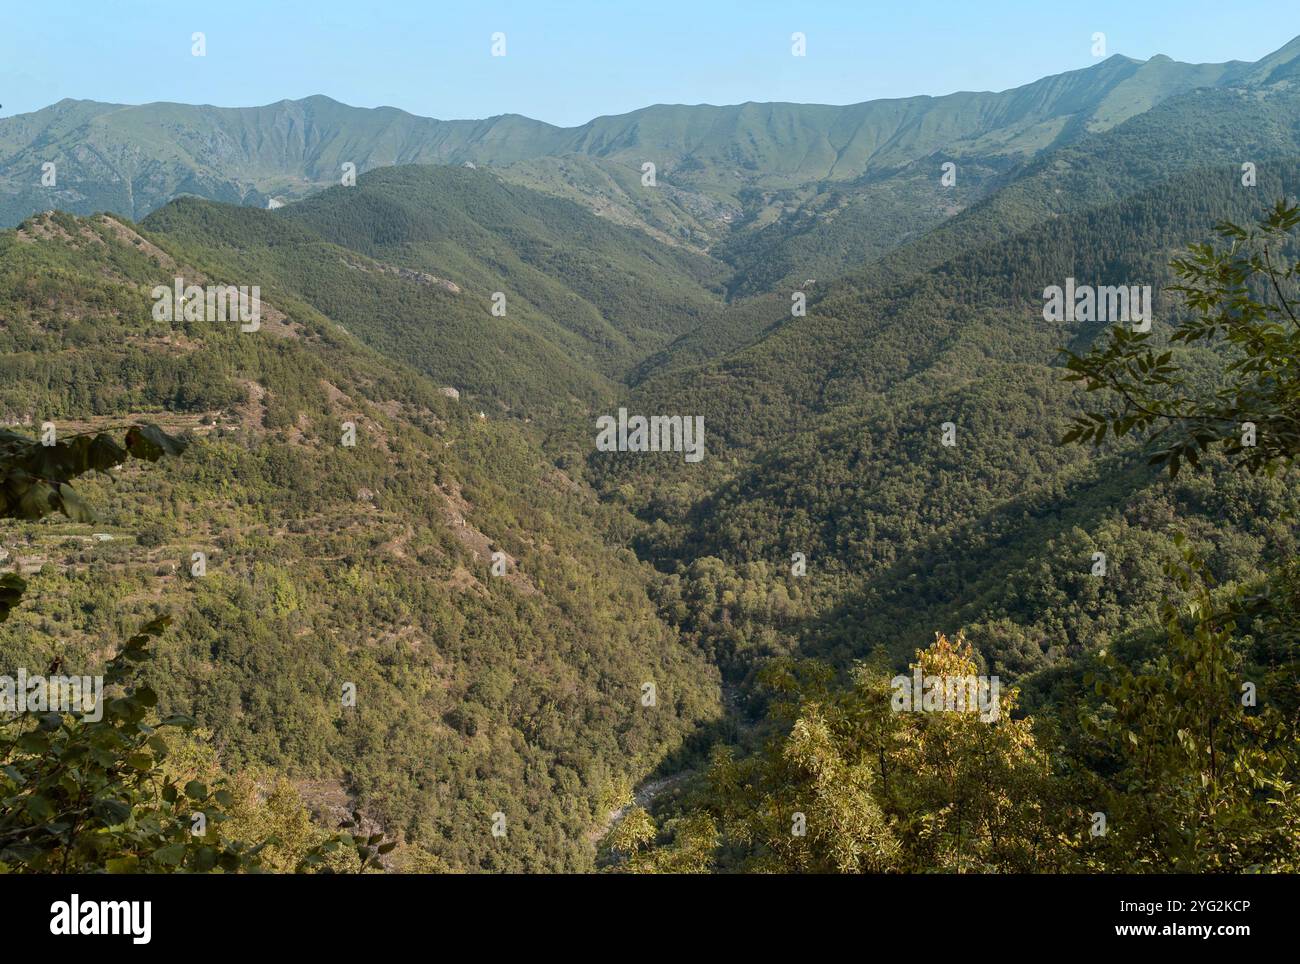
{"x":721,"y":167}
{"x":521,"y":691}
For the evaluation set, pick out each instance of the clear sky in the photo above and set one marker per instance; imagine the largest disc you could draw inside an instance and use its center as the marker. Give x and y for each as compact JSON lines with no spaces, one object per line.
{"x":570,"y":60}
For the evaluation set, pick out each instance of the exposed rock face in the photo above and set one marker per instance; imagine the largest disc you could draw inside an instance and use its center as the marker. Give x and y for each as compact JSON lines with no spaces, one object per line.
{"x":407,"y":274}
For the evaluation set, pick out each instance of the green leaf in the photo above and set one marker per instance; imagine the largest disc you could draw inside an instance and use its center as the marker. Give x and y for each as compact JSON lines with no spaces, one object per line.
{"x":171,"y":855}
{"x":111,"y":812}
{"x":103,"y":453}
{"x":37,"y":744}
{"x":38,"y":500}
{"x":12,"y":588}
{"x":205,"y":858}
{"x":151,"y":443}
{"x":39,"y":808}
{"x":74,"y":507}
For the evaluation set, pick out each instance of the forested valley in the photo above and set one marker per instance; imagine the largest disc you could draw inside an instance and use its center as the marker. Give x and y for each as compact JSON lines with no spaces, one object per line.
{"x":367,"y":595}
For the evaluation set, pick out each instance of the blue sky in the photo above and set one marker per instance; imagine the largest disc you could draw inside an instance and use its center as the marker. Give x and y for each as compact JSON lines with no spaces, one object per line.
{"x":570,"y":60}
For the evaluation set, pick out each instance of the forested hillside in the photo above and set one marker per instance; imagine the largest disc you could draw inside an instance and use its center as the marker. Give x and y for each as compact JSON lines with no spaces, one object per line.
{"x":407,"y":581}
{"x":1149,"y":624}
{"x":828,"y":441}
{"x":329,"y":564}
{"x":526,"y":302}
{"x":615,"y":294}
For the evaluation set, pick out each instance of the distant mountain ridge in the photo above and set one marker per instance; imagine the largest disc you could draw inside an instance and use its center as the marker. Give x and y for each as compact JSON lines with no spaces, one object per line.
{"x":133,"y":159}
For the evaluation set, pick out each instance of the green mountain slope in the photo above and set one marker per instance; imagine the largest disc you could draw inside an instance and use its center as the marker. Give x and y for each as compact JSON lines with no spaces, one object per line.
{"x":615,"y":293}
{"x":825,"y":438}
{"x":899,"y":440}
{"x":409,"y":261}
{"x":329,"y":565}
{"x":1203,"y":128}
{"x":881,"y":224}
